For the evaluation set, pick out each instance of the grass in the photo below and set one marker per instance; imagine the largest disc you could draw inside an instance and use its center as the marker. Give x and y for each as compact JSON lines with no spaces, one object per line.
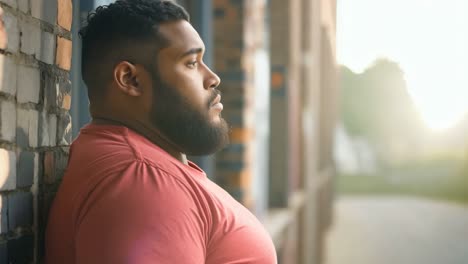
{"x":434,"y":182}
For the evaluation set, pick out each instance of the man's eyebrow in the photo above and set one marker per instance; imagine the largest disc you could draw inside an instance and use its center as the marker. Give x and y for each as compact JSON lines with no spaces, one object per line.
{"x":192,"y":51}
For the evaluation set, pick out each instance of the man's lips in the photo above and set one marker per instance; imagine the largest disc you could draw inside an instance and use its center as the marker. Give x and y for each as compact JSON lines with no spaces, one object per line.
{"x":217,"y":103}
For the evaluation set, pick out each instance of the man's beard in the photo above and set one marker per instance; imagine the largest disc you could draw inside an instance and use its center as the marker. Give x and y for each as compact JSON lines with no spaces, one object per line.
{"x":190,"y":129}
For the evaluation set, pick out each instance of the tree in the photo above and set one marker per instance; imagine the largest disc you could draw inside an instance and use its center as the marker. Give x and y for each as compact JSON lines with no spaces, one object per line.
{"x":376,"y":105}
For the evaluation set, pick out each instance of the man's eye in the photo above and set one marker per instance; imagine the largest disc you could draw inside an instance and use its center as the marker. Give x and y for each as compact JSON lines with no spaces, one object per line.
{"x":192,"y":64}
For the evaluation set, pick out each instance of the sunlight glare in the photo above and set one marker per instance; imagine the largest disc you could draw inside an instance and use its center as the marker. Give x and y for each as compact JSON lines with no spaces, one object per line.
{"x":427,"y":38}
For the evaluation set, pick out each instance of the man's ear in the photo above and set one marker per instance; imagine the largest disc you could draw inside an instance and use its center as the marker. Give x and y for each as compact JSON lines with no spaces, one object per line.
{"x":126,"y":76}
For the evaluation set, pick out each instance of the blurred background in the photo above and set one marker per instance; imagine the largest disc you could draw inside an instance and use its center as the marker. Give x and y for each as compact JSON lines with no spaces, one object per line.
{"x":349,"y":123}
{"x":401,"y":140}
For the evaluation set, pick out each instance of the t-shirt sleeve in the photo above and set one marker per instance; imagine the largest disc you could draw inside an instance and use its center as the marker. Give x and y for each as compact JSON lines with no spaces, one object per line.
{"x":142,"y":215}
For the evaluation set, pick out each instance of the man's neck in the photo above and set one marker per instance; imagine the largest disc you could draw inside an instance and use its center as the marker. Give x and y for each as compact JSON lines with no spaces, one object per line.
{"x":151,"y":134}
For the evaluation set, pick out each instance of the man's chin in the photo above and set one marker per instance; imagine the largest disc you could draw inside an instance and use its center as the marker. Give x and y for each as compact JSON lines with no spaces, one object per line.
{"x":219,"y":122}
{"x":213,"y":142}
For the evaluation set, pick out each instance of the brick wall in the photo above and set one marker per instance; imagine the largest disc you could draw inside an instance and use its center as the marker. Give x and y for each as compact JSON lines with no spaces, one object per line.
{"x":235,"y":58}
{"x":231,"y":170}
{"x":234,"y":163}
{"x":35,"y":57}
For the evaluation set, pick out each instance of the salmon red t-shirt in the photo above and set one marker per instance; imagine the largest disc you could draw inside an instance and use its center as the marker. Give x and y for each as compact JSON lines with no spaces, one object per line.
{"x":125,"y":200}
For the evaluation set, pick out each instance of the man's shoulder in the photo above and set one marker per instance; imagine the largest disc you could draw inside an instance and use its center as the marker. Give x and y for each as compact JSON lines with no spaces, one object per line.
{"x":112,"y":141}
{"x":111,"y":153}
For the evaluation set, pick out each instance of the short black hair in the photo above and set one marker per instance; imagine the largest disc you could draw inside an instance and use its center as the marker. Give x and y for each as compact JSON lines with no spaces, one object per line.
{"x":119,"y":31}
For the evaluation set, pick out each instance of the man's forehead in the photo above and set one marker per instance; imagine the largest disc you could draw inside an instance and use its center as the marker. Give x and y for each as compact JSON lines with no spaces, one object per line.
{"x":180,"y":37}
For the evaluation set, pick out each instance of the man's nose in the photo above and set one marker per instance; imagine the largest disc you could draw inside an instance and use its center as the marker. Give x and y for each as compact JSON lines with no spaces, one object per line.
{"x":212,"y":79}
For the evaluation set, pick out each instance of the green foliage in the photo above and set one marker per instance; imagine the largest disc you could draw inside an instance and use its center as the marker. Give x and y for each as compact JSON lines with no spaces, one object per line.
{"x":450,"y":188}
{"x":376,"y":106}
{"x":440,"y":178}
{"x":376,"y":103}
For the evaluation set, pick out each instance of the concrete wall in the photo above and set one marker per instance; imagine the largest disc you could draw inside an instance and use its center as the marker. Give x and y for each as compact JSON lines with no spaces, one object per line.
{"x":35,"y":57}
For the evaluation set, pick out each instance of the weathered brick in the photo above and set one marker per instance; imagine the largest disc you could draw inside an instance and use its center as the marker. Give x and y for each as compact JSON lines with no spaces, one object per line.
{"x":20,"y":210}
{"x":27,"y":127}
{"x":44,"y":202}
{"x":21,"y":88}
{"x":66,"y":101}
{"x":3,"y":252}
{"x":47,"y":50}
{"x":23,"y":5}
{"x":49,"y":167}
{"x":11,"y":3}
{"x":3,"y":215}
{"x":26,"y":169}
{"x":52,"y":125}
{"x":22,"y":127}
{"x":28,"y":84}
{"x":38,"y":172}
{"x":21,"y":250}
{"x":13,"y":33}
{"x":64,"y":52}
{"x":7,"y":121}
{"x":65,"y":13}
{"x":8,"y":72}
{"x":7,"y":170}
{"x":47,"y":129}
{"x":61,"y":161}
{"x":45,"y":10}
{"x":50,"y":87}
{"x":64,"y":135}
{"x":64,"y":94}
{"x":30,"y":37}
{"x":43,"y":130}
{"x":33,"y":128}
{"x":3,"y":33}
{"x":54,"y":164}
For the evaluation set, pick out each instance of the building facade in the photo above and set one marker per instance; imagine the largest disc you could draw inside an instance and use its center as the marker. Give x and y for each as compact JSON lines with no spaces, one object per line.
{"x":35,"y":124}
{"x":277,"y":63}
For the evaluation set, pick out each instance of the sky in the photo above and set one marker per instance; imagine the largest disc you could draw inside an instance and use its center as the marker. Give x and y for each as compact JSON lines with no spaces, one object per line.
{"x":428,"y":38}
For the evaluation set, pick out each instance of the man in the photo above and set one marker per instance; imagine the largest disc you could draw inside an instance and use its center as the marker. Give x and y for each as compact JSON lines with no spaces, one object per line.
{"x":129,"y":194}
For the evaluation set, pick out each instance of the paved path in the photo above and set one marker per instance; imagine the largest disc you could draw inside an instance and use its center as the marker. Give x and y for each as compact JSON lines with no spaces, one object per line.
{"x":396,"y":230}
